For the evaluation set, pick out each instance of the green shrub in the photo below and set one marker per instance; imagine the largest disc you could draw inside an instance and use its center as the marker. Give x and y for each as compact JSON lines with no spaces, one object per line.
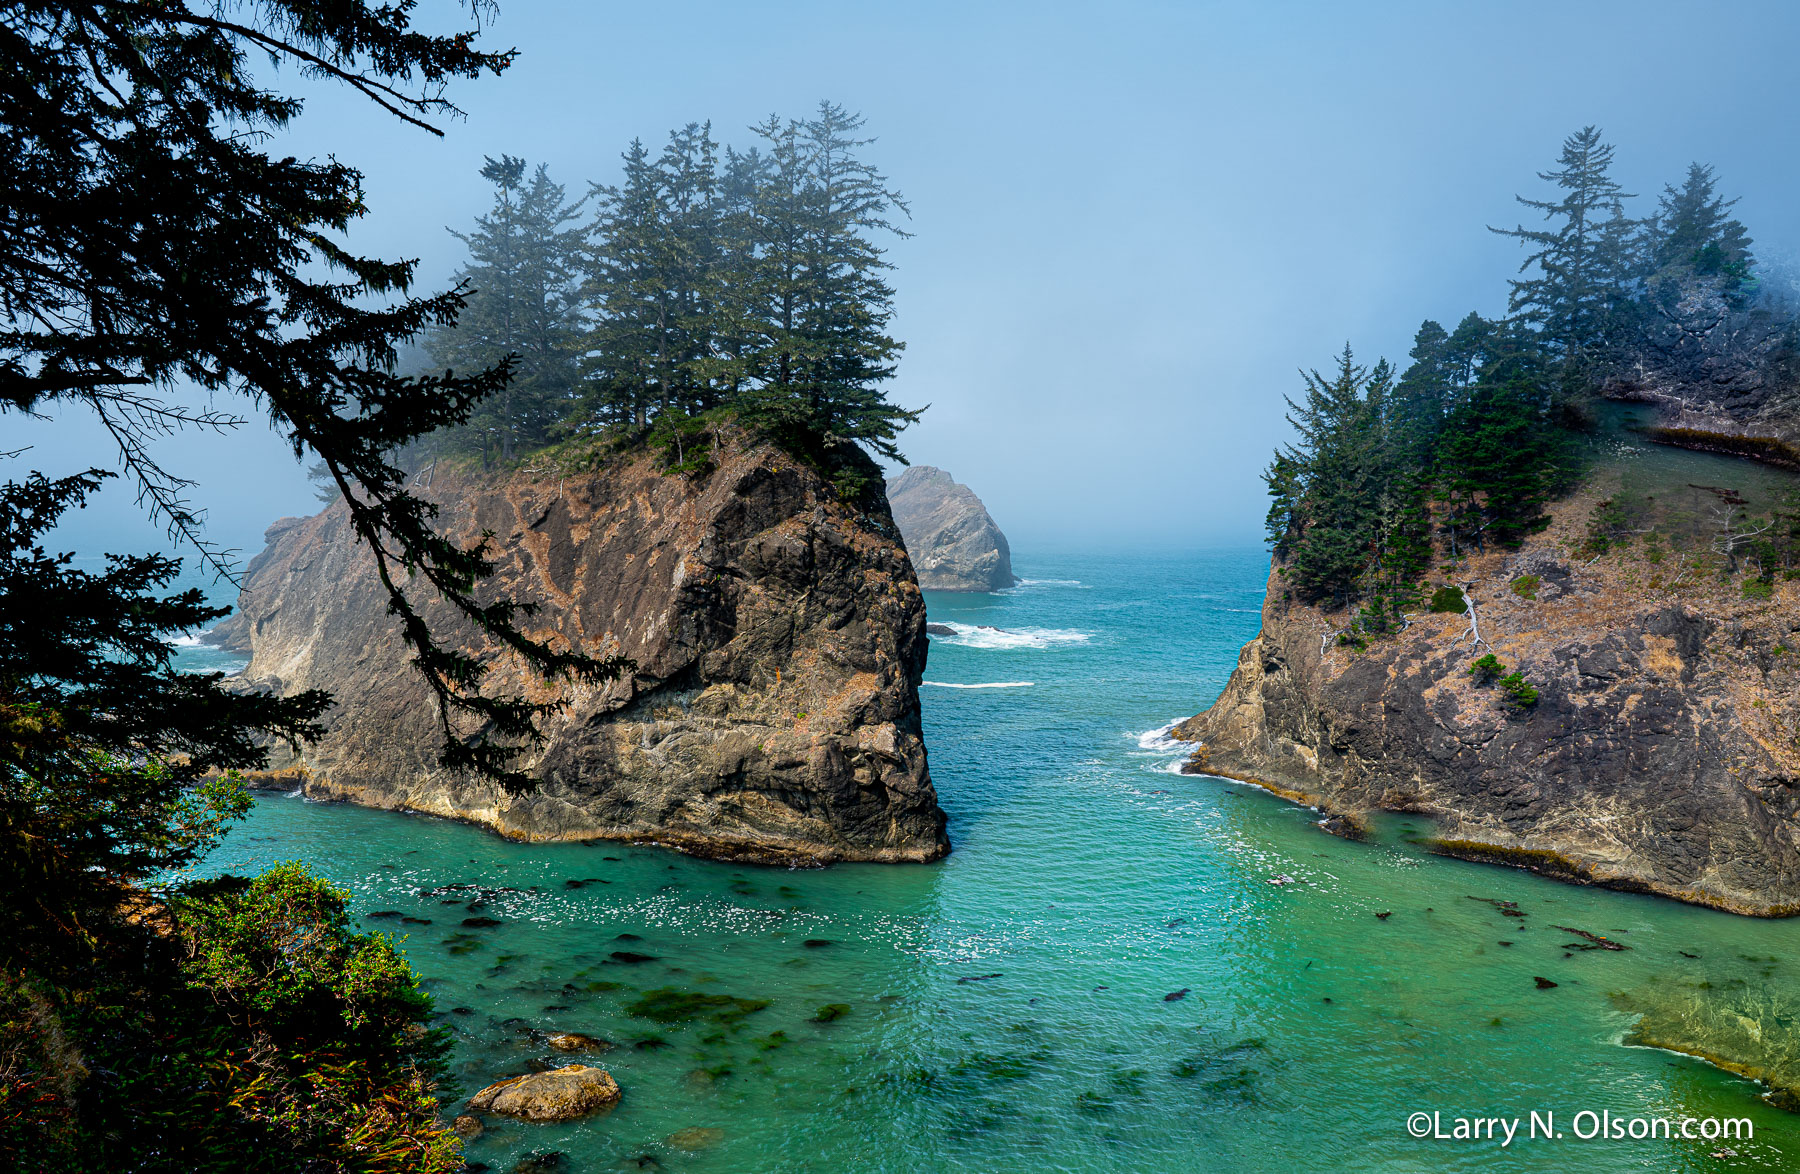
{"x":1486,"y":669}
{"x":244,"y":1026}
{"x":1520,"y":693}
{"x":684,"y":441}
{"x":1526,"y":586}
{"x":1763,"y":589}
{"x":1449,"y":599}
{"x":1607,"y":528}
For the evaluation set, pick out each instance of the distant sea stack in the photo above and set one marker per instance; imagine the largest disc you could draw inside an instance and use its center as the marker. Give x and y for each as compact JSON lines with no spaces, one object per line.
{"x":1658,"y":755}
{"x":954,"y":543}
{"x":778,"y":633}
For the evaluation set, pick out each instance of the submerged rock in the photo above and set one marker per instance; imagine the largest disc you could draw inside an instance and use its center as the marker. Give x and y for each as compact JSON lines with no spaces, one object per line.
{"x":574,"y":1041}
{"x":777,"y":631}
{"x":953,"y":542}
{"x":696,"y":1138}
{"x":561,"y":1094}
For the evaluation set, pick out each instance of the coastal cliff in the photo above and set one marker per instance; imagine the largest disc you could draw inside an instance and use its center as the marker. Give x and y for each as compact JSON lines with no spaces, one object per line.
{"x":954,"y":542}
{"x":1659,"y":754}
{"x":778,"y":635}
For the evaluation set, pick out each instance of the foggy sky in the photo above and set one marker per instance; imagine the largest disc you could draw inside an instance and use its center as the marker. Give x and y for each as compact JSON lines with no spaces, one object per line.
{"x":1132,"y":221}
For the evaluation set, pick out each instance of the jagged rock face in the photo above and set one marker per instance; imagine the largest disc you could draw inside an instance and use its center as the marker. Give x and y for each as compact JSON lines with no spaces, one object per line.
{"x":1717,"y":371}
{"x":778,"y":636}
{"x":954,"y":543}
{"x":1660,"y":755}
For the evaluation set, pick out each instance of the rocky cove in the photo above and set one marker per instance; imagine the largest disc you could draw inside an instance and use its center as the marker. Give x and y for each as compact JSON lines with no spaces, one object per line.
{"x":1010,"y":1001}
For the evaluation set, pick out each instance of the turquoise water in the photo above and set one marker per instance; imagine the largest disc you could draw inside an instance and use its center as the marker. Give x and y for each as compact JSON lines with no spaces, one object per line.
{"x":1008,"y":1009}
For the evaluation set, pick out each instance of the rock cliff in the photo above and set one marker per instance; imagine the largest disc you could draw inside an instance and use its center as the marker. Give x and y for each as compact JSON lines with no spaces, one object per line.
{"x":954,"y":543}
{"x":778,"y":636}
{"x":1659,"y":756}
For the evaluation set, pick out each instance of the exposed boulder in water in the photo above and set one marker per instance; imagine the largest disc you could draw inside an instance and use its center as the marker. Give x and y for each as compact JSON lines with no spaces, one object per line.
{"x":954,"y":543}
{"x":561,"y":1094}
{"x":778,"y":633}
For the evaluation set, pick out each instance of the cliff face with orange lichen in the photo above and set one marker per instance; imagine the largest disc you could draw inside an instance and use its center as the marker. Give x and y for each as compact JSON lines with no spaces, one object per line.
{"x":1659,"y":756}
{"x":777,"y":631}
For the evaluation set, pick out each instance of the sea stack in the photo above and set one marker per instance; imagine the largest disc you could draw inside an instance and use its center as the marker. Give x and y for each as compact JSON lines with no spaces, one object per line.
{"x":778,"y":634}
{"x":952,"y":540}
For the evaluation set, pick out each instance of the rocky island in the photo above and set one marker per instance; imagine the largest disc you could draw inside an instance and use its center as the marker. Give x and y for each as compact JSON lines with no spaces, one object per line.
{"x":777,"y":631}
{"x":953,"y":542}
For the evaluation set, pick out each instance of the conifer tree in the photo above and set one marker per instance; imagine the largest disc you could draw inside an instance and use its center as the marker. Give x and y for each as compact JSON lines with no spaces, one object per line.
{"x":522,"y":270}
{"x":1582,"y":259}
{"x":1333,"y":478}
{"x":155,"y":244}
{"x":818,"y":298}
{"x":655,"y":283}
{"x":1694,"y":235}
{"x":1498,"y":461}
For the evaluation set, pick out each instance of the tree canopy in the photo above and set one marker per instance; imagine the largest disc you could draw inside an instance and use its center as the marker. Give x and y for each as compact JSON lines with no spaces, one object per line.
{"x":752,"y":282}
{"x":157,"y":249}
{"x":1478,"y":434}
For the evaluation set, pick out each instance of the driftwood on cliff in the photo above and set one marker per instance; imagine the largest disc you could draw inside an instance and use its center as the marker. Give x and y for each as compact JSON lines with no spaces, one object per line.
{"x":1474,"y":621}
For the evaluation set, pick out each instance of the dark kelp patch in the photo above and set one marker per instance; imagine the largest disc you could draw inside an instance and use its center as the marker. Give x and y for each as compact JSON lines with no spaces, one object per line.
{"x":671,"y":1005}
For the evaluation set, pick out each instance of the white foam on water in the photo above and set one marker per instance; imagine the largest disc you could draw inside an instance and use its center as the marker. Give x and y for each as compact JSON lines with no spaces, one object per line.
{"x":1162,"y":743}
{"x":1162,"y":740}
{"x":191,"y":640}
{"x":985,"y":685}
{"x":982,"y":636}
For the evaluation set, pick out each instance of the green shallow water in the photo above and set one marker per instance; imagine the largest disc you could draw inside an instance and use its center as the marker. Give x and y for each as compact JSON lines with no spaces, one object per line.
{"x":1006,"y":1009}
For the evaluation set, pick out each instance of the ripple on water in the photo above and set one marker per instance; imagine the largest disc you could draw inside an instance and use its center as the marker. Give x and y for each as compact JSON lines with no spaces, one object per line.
{"x":1086,"y":887}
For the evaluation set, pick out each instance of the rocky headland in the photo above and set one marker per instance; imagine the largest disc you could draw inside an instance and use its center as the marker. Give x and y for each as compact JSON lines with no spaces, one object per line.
{"x":1659,"y":754}
{"x":953,"y":541}
{"x":778,"y":635}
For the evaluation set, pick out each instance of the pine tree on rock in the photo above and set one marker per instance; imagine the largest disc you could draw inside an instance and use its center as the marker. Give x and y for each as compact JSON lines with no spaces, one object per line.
{"x":1333,"y":478}
{"x":818,"y":301}
{"x":1582,"y":258}
{"x":522,"y":269}
{"x":1693,"y":233}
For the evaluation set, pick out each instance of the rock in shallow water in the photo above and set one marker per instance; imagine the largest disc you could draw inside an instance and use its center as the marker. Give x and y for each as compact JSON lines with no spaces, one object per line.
{"x":561,"y":1094}
{"x":574,"y":1041}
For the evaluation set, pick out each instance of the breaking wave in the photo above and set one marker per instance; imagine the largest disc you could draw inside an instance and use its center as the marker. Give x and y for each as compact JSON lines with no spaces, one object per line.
{"x":982,"y":636}
{"x":984,"y":685}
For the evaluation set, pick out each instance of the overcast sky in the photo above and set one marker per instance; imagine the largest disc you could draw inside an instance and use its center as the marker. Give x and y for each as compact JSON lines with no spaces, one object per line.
{"x":1132,"y":221}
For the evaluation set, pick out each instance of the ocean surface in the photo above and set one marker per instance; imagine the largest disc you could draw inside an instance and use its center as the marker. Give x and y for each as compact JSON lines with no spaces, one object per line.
{"x":1101,"y":976}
